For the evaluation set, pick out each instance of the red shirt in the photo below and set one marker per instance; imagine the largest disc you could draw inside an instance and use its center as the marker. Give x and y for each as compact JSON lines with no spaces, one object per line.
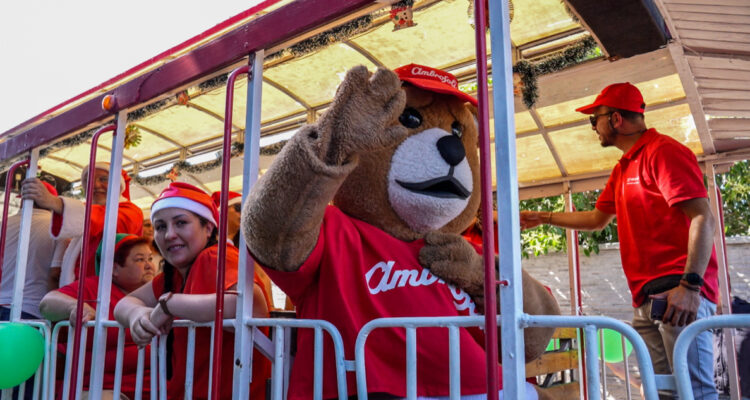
{"x":129,"y":220}
{"x":649,"y":180}
{"x":202,"y":280}
{"x":357,"y":273}
{"x":130,"y":354}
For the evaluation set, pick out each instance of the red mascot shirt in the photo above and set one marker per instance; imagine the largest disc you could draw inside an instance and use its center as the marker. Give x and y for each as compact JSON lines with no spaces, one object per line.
{"x":357,"y":273}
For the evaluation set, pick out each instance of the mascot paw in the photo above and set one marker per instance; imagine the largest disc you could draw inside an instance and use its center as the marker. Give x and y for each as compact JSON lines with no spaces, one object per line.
{"x":364,"y":114}
{"x":450,"y":257}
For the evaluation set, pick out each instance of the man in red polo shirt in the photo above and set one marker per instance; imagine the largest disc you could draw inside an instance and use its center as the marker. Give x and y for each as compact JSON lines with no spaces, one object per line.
{"x":665,"y":227}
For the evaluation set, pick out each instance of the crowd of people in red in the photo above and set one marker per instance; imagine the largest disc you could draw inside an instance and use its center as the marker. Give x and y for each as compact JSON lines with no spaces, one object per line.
{"x":164,"y":269}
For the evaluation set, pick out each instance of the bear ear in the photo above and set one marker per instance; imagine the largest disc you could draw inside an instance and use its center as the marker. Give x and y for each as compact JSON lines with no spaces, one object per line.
{"x":474,"y":113}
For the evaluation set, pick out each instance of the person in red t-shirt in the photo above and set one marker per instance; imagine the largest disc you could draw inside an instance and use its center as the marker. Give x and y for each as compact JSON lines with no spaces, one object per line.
{"x":665,"y":226}
{"x":185,"y":222}
{"x":132,"y":268}
{"x":68,"y":215}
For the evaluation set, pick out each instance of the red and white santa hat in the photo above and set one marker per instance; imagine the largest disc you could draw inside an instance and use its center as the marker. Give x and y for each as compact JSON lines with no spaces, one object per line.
{"x":187,"y":197}
{"x":124,"y":178}
{"x":234,"y":198}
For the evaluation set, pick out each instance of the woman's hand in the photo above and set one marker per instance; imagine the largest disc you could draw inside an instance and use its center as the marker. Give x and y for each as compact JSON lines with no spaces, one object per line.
{"x":141,"y":328}
{"x":161,"y":320}
{"x":87,"y":315}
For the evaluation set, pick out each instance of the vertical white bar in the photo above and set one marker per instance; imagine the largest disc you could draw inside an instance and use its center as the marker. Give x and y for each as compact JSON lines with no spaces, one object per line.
{"x":24,"y":234}
{"x":163,"y":367}
{"x":210,"y":363}
{"x":153,"y":360}
{"x":105,"y":272}
{"x":592,"y":362}
{"x":725,"y":296}
{"x":454,"y":346}
{"x":626,"y":363}
{"x":508,"y":240}
{"x":81,"y":362}
{"x":411,"y":363}
{"x":190,"y":363}
{"x":139,"y":374}
{"x":278,"y":363}
{"x":244,"y":333}
{"x":318,"y":365}
{"x":118,"y":362}
{"x":603,"y":368}
{"x":68,"y":365}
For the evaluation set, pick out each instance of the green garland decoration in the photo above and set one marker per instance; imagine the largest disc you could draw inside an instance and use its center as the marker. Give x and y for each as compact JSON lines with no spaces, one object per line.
{"x":572,"y":55}
{"x":327,"y":38}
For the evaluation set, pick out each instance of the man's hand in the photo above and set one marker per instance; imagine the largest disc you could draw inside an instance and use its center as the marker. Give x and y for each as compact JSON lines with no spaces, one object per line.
{"x":532,"y":219}
{"x":33,"y":189}
{"x":682,"y":305}
{"x":87,"y":314}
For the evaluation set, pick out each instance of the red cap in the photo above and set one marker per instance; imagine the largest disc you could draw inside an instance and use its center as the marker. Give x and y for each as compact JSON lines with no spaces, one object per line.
{"x":433,"y":80}
{"x":188,"y":197}
{"x":234,"y":198}
{"x":624,"y":96}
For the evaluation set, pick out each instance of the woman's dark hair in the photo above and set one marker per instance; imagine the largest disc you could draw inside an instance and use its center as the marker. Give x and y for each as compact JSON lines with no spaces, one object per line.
{"x":122,"y":252}
{"x":168,"y":270}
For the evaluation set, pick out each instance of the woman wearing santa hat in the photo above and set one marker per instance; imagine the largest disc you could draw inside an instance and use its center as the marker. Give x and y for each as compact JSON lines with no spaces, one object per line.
{"x":68,"y":217}
{"x":185,"y":230}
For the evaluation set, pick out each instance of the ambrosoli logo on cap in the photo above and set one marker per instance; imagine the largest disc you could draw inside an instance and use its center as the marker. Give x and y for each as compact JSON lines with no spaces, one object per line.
{"x":416,"y":70}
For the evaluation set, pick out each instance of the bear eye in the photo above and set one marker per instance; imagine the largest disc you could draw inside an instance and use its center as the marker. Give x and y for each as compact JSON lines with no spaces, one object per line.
{"x":410,"y":118}
{"x":457,"y":129}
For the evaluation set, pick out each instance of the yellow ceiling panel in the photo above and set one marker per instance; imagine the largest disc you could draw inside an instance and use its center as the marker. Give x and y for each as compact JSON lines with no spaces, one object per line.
{"x":524,"y":122}
{"x":536,"y":19}
{"x":678,"y":123}
{"x":655,"y":91}
{"x":442,"y":37}
{"x":580,"y":151}
{"x":150,"y":146}
{"x":534,"y":159}
{"x":60,"y":168}
{"x":314,"y":78}
{"x":184,"y":125}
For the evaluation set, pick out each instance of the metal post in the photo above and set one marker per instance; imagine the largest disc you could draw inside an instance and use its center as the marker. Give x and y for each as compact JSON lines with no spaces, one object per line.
{"x":96,"y":378}
{"x":243,"y":353}
{"x":589,"y":337}
{"x":507,"y":193}
{"x":6,"y":205}
{"x":576,"y":300}
{"x":724,"y":290}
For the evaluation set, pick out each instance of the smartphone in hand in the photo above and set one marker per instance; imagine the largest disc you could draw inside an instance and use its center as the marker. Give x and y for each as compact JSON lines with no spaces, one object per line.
{"x":658,"y":308}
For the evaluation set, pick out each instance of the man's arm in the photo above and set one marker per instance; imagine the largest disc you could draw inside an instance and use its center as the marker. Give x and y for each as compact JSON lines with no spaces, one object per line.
{"x":593,"y":220}
{"x":683,"y":301}
{"x":57,"y":306}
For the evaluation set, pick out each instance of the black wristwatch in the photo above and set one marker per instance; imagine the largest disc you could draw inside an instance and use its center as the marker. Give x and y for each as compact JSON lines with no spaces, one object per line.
{"x":693,"y":279}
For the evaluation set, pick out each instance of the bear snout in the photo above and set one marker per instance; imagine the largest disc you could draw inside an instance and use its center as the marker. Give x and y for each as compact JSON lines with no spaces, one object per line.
{"x":451,"y":149}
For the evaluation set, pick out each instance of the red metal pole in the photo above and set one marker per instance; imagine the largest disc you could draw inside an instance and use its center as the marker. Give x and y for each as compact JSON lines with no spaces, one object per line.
{"x":4,"y":229}
{"x":488,"y":237}
{"x":84,"y":260}
{"x":224,"y":199}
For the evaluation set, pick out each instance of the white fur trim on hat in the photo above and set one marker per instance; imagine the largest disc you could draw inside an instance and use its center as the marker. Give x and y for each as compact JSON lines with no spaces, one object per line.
{"x":185,"y":204}
{"x":103,"y":166}
{"x":235,"y":200}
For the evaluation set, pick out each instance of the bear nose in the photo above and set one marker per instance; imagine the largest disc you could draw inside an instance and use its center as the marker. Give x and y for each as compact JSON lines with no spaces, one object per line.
{"x":451,"y":149}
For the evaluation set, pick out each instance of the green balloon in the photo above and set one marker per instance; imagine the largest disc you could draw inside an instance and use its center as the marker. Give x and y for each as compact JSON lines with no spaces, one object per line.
{"x":21,"y":352}
{"x":613,"y":346}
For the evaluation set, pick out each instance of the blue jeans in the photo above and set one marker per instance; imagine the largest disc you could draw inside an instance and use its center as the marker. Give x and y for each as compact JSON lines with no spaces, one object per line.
{"x":29,"y":391}
{"x":660,"y":338}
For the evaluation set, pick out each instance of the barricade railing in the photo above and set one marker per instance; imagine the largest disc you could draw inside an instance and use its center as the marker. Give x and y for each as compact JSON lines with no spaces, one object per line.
{"x":686,"y":338}
{"x":588,"y":324}
{"x":41,"y":375}
{"x":52,"y":354}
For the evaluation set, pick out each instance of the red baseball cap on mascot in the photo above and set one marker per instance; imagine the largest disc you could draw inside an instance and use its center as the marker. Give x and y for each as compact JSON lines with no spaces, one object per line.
{"x":624,"y":96}
{"x":433,"y":80}
{"x":187,"y":197}
{"x":234,"y":198}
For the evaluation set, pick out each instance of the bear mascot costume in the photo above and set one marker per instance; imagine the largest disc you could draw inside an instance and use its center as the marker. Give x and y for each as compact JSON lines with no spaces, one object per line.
{"x":396,"y":155}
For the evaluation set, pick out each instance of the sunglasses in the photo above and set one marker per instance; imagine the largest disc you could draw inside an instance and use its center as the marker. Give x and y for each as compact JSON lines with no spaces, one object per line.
{"x":595,"y":117}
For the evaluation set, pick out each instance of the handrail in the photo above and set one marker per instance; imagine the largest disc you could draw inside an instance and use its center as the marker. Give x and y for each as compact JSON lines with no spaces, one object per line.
{"x":84,"y":251}
{"x":6,"y":205}
{"x":686,"y":338}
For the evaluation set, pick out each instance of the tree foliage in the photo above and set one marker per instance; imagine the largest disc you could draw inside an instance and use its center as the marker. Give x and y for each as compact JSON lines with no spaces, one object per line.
{"x":735,"y":191}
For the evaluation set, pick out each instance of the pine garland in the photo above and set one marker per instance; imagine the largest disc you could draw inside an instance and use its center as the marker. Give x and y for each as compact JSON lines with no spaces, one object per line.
{"x":573,"y":55}
{"x":324,"y":39}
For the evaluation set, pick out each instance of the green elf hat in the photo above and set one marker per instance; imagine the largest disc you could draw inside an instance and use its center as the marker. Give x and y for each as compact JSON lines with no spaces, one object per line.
{"x":120,"y":239}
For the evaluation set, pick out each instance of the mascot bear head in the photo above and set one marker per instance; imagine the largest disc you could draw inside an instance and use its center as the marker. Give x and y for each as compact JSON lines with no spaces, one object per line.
{"x":430,"y":179}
